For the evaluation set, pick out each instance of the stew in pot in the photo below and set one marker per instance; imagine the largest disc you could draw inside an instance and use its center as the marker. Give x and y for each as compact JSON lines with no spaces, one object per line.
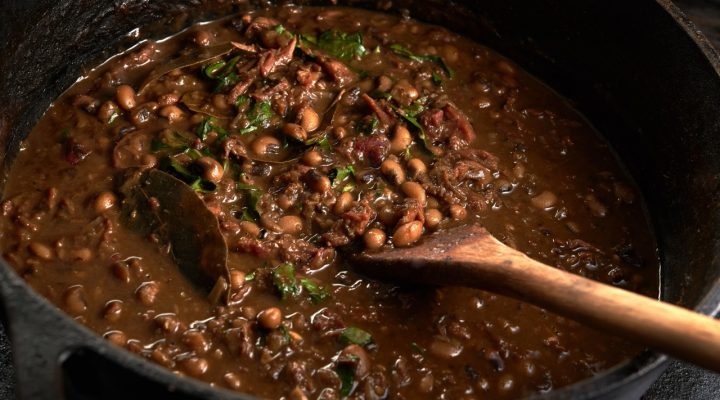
{"x":310,"y":134}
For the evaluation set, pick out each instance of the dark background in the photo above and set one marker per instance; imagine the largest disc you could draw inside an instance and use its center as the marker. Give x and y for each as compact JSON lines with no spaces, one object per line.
{"x":680,"y":381}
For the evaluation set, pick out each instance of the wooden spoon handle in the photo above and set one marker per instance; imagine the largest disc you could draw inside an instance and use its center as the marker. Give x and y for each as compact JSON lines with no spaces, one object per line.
{"x":670,"y":329}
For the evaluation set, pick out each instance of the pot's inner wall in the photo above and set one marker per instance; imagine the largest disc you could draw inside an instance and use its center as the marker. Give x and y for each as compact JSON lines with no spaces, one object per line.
{"x":635,"y":74}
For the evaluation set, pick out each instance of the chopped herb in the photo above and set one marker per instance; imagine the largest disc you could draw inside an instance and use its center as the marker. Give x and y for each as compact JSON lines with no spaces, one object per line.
{"x":346,"y":373}
{"x":253,"y":193}
{"x":342,"y":45}
{"x":242,"y":101}
{"x":259,"y":116}
{"x":308,"y":37}
{"x":207,"y":126}
{"x":338,"y":175}
{"x":368,"y":124}
{"x":285,"y":281}
{"x":436,"y":79}
{"x":353,"y":335}
{"x":178,"y":170}
{"x":401,"y":51}
{"x":409,"y":114}
{"x":113,"y":117}
{"x":317,"y":293}
{"x":280,"y":29}
{"x":249,"y":277}
{"x":226,"y":81}
{"x":285,"y":333}
{"x":321,"y":141}
{"x":157,"y":145}
{"x":416,"y":348}
{"x":212,"y":70}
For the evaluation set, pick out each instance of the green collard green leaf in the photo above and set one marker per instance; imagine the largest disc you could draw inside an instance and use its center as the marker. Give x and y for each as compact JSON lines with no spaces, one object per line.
{"x":342,"y":45}
{"x":346,"y":373}
{"x":180,"y":171}
{"x":285,"y":281}
{"x":316,"y":292}
{"x":209,"y":125}
{"x":339,"y":174}
{"x":354,"y":335}
{"x":402,"y":51}
{"x":252,"y":193}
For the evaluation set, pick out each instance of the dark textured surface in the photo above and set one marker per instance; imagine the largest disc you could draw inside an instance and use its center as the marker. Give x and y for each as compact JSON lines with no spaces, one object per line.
{"x":679,"y":382}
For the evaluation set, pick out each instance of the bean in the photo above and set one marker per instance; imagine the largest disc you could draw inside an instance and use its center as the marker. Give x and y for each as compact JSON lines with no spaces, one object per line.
{"x":220,"y":101}
{"x":415,"y":191}
{"x":104,"y":201}
{"x":321,"y":184}
{"x":75,"y":300}
{"x":295,"y":131}
{"x":374,"y":239}
{"x":404,"y":92}
{"x":401,"y":139}
{"x":168,"y":99}
{"x":107,"y":111}
{"x":426,"y":383}
{"x":147,"y":292}
{"x":297,"y":394}
{"x":407,"y":234}
{"x":232,"y":380}
{"x":250,"y":228}
{"x":41,"y":250}
{"x":313,"y":158}
{"x":340,"y":132}
{"x":444,"y":349}
{"x":81,"y":254}
{"x":433,"y":218}
{"x":506,"y":383}
{"x":393,"y":171}
{"x":291,"y":224}
{"x":118,"y":338}
{"x":172,"y":113}
{"x":416,"y":167}
{"x":211,"y":169}
{"x":265,"y":145}
{"x":113,"y":310}
{"x":270,"y":318}
{"x":343,"y":203}
{"x":295,"y":337}
{"x":285,"y":202}
{"x":237,"y":279}
{"x":125,"y":96}
{"x":544,"y":200}
{"x":458,"y":212}
{"x":168,"y":322}
{"x":597,"y":208}
{"x":309,"y":119}
{"x":196,"y":341}
{"x":161,"y":357}
{"x":384,"y":83}
{"x":120,"y":270}
{"x":202,"y":38}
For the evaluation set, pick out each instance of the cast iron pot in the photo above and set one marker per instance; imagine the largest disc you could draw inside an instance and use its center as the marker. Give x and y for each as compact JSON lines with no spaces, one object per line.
{"x":638,"y":70}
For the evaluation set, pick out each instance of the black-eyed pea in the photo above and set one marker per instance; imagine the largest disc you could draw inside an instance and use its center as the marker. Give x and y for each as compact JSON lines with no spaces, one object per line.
{"x":295,"y":131}
{"x":105,"y":201}
{"x":41,"y":250}
{"x":232,"y":380}
{"x":250,"y":228}
{"x":343,"y":203}
{"x":107,"y":111}
{"x":458,"y":212}
{"x":194,"y":366}
{"x":113,"y":310}
{"x":118,"y":338}
{"x":374,"y":238}
{"x":414,"y":190}
{"x":75,"y":302}
{"x":196,"y":341}
{"x":416,"y":167}
{"x":270,"y":318}
{"x":173,"y":113}
{"x":125,"y":96}
{"x":265,"y":145}
{"x":291,"y":224}
{"x":407,"y":234}
{"x":312,"y":158}
{"x":237,"y":279}
{"x":147,"y":292}
{"x":544,"y":200}
{"x":401,"y":139}
{"x":433,"y":218}
{"x":393,"y":171}
{"x":309,"y":119}
{"x":210,"y":169}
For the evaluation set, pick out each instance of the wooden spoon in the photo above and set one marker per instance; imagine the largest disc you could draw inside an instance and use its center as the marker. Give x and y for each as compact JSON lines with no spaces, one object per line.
{"x":470,"y":256}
